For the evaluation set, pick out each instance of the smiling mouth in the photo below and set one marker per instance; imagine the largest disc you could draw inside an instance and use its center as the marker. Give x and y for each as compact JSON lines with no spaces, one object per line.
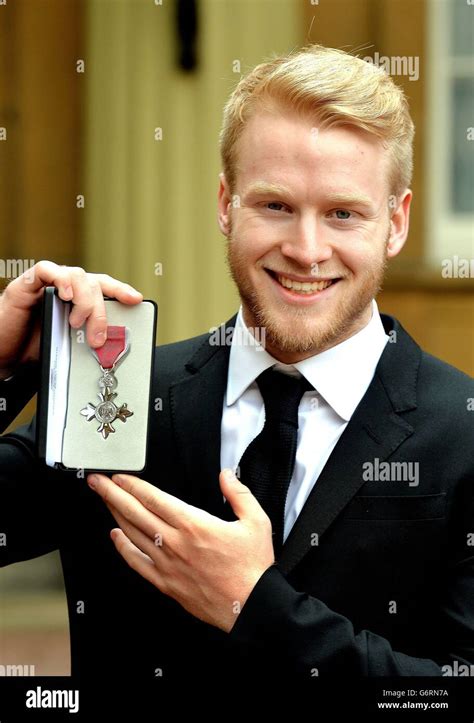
{"x":301,"y":287}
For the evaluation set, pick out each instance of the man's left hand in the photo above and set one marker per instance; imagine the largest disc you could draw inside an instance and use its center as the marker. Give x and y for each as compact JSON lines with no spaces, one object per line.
{"x":208,"y":565}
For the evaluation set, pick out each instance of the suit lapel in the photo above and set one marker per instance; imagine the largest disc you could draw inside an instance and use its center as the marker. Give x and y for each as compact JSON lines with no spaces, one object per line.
{"x":196,"y":413}
{"x":375,"y":430}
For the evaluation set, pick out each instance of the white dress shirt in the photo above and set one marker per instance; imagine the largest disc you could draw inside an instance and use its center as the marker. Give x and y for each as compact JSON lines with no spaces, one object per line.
{"x":340,"y":377}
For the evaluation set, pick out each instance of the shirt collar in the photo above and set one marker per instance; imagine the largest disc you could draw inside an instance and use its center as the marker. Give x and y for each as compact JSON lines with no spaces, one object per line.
{"x":341,"y":375}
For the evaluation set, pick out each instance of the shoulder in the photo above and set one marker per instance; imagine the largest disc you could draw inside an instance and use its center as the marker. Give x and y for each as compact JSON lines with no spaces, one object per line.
{"x":180,"y":360}
{"x":447,"y":390}
{"x":435,"y":371}
{"x":429,"y":373}
{"x":415,"y":379}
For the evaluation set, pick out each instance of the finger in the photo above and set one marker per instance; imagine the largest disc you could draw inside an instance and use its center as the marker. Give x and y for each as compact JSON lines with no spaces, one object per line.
{"x":167,"y":507}
{"x":47,"y":273}
{"x":243,"y":502}
{"x":118,"y":290}
{"x":83,"y":296}
{"x":89,"y":308}
{"x":129,"y":506}
{"x":24,"y":291}
{"x":136,"y":559}
{"x":137,"y":536}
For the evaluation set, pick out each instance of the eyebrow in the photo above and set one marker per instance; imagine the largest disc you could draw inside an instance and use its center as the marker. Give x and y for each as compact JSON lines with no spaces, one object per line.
{"x":262,"y":188}
{"x":351,"y":199}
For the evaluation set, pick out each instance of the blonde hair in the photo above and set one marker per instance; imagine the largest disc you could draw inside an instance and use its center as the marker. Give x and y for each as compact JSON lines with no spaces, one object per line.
{"x":334,"y":87}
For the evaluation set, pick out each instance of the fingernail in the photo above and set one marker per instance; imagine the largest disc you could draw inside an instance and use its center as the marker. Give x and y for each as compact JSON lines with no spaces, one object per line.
{"x":92,"y":481}
{"x":229,"y":473}
{"x":67,"y":291}
{"x":133,"y":291}
{"x":117,"y":479}
{"x":99,"y":337}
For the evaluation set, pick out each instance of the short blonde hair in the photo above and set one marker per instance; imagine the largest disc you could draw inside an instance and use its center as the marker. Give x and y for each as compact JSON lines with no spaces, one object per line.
{"x":334,"y":87}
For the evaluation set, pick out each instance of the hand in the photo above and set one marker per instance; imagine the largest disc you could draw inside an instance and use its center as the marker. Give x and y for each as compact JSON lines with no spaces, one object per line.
{"x":19,"y":306}
{"x":208,"y":565}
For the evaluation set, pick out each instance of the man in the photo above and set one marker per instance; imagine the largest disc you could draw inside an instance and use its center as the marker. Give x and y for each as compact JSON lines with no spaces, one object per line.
{"x":346,"y":546}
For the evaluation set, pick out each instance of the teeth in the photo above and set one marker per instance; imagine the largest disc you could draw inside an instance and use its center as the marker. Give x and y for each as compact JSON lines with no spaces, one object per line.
{"x":303,"y":287}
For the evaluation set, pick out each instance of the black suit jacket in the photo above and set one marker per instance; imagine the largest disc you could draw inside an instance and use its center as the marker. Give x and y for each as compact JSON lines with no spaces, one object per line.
{"x":388,"y":589}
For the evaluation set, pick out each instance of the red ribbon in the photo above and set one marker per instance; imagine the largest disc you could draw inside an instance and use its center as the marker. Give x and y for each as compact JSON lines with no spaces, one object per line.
{"x":113,"y":347}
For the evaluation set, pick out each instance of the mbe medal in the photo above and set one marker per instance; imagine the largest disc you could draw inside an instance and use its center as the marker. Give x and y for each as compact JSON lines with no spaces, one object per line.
{"x":108,"y":357}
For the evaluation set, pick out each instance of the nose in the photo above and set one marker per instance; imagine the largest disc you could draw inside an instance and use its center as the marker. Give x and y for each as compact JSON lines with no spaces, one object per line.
{"x":308,"y":244}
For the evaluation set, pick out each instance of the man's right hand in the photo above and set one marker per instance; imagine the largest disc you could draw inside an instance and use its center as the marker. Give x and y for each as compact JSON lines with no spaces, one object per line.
{"x":21,"y":300}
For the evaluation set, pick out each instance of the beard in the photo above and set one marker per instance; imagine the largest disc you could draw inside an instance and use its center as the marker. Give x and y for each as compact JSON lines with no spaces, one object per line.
{"x":306,"y":330}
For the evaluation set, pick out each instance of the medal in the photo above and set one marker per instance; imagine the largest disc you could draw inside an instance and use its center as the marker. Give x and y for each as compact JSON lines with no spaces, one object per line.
{"x":108,"y":357}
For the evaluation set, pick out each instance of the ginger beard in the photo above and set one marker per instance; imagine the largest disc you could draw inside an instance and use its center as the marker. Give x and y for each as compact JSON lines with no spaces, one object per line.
{"x":306,"y":329}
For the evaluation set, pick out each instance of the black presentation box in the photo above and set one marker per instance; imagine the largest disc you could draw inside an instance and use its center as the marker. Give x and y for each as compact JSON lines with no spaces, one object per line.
{"x":87,"y":419}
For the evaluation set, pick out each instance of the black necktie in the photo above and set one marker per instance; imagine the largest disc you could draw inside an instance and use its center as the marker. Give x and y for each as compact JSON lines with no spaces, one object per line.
{"x":267,"y":463}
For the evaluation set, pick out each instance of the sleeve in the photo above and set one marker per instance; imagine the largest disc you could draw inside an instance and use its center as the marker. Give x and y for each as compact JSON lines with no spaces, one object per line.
{"x":30,"y":492}
{"x":304,"y":634}
{"x":16,"y":392}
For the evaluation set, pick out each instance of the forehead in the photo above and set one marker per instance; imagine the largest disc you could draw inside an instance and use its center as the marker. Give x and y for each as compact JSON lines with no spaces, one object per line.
{"x":278,"y":146}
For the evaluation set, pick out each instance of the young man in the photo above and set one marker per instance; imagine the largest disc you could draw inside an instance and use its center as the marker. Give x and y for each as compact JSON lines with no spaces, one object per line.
{"x":346,"y":545}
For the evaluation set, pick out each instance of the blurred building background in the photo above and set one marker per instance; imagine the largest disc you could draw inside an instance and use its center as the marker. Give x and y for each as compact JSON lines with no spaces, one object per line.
{"x":109,"y":119}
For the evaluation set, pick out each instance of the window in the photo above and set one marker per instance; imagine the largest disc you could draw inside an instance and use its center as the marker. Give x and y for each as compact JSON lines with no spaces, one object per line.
{"x":449,"y":180}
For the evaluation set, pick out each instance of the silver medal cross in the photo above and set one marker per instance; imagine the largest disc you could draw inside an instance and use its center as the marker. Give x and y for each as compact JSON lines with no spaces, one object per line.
{"x":106,"y":412}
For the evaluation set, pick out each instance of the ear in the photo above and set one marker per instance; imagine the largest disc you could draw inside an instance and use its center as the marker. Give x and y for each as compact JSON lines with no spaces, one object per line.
{"x":399,"y":224}
{"x":224,"y":205}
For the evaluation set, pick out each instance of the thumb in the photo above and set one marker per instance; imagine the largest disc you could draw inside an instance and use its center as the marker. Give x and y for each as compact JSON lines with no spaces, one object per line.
{"x":240,"y":498}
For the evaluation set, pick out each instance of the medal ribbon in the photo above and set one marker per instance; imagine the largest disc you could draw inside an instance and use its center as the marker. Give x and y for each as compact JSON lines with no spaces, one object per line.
{"x":114,"y":348}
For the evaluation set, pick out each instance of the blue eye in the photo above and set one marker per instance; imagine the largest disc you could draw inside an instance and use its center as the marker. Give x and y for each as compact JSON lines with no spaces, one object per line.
{"x":275,"y":203}
{"x":345,"y":214}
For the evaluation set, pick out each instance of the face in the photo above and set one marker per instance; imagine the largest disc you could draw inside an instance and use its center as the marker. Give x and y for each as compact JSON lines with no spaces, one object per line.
{"x":310,"y":226}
